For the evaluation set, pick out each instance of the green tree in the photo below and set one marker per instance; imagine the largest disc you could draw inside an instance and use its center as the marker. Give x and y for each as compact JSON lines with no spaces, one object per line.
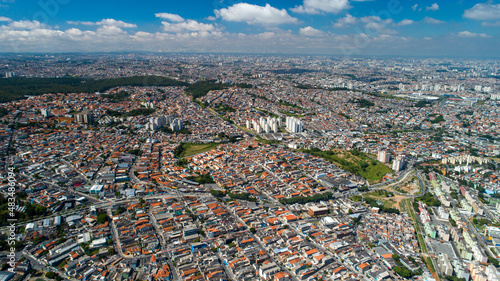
{"x":102,"y":218}
{"x":50,"y":275}
{"x":217,"y":193}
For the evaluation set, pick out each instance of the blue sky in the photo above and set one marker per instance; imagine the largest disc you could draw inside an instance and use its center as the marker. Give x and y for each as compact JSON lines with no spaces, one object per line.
{"x":337,"y":27}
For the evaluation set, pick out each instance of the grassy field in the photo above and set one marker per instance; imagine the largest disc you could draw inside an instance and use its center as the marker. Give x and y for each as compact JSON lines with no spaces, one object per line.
{"x":190,"y":149}
{"x":355,"y":162}
{"x":389,"y":203}
{"x":380,"y":194}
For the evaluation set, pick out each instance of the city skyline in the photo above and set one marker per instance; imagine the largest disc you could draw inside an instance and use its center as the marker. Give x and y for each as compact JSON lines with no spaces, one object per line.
{"x":310,"y":27}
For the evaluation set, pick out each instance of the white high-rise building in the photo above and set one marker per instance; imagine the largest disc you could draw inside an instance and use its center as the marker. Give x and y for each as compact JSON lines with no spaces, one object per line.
{"x":156,"y":123}
{"x":45,"y":112}
{"x":293,"y":125}
{"x":262,"y":122}
{"x":437,"y":87}
{"x":275,"y":127}
{"x":383,"y":156}
{"x":176,"y":125}
{"x":398,"y":163}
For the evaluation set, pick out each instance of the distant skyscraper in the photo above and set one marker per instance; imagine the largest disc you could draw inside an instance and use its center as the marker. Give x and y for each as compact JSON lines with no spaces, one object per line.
{"x":84,"y":117}
{"x":45,"y":112}
{"x":293,"y":125}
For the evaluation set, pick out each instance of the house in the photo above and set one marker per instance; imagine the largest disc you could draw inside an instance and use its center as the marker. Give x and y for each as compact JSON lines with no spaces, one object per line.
{"x":282,"y":276}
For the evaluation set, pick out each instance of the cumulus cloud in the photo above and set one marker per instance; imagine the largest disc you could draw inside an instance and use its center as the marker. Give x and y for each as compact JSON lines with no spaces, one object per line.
{"x":193,"y":36}
{"x":310,"y":31}
{"x":110,"y":30}
{"x":320,"y":6}
{"x":254,"y":14}
{"x":406,"y":22}
{"x":468,"y":34}
{"x":371,"y":23}
{"x":433,"y":7}
{"x":25,"y":24}
{"x":170,"y":17}
{"x":432,"y":20}
{"x":187,"y":26}
{"x":345,"y":21}
{"x":377,"y":24}
{"x":483,"y":11}
{"x":116,"y":23}
{"x":5,"y":19}
{"x":105,"y":22}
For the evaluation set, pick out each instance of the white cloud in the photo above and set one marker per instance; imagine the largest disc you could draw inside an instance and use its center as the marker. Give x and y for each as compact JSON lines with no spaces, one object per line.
{"x":105,"y":22}
{"x":193,"y":36}
{"x":26,"y":24}
{"x":187,"y":26}
{"x":81,"y":22}
{"x":375,"y":24}
{"x":432,"y":20}
{"x":266,"y":35}
{"x":319,"y":6}
{"x":4,"y":19}
{"x":116,"y":23}
{"x":491,"y":23}
{"x":433,"y":7}
{"x":483,"y":11}
{"x":370,"y":19}
{"x":406,"y":22}
{"x":254,"y":14}
{"x":110,"y":30}
{"x":345,"y":21}
{"x":170,"y":17}
{"x":468,"y":34}
{"x":414,"y":7}
{"x":310,"y":31}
